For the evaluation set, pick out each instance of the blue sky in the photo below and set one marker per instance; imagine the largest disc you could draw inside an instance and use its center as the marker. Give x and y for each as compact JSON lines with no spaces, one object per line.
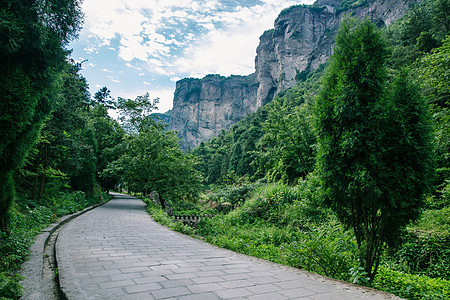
{"x":139,"y":46}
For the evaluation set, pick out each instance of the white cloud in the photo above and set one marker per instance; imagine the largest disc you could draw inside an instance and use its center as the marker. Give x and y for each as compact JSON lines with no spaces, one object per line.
{"x":231,"y":50}
{"x":170,"y":39}
{"x":113,"y":79}
{"x":129,"y":65}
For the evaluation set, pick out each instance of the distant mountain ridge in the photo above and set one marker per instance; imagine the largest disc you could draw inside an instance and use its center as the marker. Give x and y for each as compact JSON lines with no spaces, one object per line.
{"x":301,"y":40}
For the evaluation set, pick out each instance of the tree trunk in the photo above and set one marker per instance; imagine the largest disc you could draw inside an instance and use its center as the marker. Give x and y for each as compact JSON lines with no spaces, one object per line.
{"x":35,"y":187}
{"x":41,"y":187}
{"x":7,"y":195}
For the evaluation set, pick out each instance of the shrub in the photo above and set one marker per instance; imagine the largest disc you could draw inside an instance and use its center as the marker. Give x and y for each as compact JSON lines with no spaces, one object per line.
{"x":424,"y":254}
{"x":435,"y":221}
{"x":268,"y":203}
{"x":307,"y":207}
{"x":160,"y":216}
{"x":9,"y":286}
{"x":229,"y":198}
{"x":411,"y":286}
{"x":14,"y":247}
{"x":25,"y":226}
{"x":326,"y":249}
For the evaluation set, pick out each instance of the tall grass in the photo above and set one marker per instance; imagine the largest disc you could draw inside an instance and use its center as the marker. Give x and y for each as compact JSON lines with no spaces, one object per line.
{"x":25,"y":223}
{"x":288,"y":225}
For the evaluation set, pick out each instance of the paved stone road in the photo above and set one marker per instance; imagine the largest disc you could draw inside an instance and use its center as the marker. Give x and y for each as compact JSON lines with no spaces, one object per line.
{"x":117,"y":251}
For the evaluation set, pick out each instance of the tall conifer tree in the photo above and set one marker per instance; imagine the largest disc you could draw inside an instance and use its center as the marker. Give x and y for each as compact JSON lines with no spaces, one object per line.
{"x":374,"y":154}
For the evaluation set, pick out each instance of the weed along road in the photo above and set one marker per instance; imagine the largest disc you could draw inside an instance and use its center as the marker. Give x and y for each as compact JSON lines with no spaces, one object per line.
{"x":117,"y":251}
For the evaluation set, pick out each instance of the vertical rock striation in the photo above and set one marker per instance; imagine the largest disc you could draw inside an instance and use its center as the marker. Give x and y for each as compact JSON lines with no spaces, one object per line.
{"x":203,"y":107}
{"x":301,"y":40}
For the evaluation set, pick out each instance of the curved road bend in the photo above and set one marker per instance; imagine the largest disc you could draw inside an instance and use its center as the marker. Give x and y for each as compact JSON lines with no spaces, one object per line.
{"x":117,"y":251}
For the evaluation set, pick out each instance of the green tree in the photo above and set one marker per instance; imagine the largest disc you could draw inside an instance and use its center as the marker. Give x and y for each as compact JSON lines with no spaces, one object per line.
{"x":135,"y":114}
{"x":109,"y":135}
{"x":434,"y":74}
{"x":32,"y":39}
{"x":374,"y":146}
{"x":152,"y":159}
{"x":66,"y":152}
{"x":289,"y":139}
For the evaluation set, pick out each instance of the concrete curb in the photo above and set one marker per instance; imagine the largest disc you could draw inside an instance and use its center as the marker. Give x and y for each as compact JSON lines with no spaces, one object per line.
{"x":336,"y":282}
{"x":32,"y":268}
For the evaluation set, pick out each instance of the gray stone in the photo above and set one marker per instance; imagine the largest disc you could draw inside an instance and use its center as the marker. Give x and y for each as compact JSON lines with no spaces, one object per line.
{"x":180,"y":264}
{"x":301,"y":40}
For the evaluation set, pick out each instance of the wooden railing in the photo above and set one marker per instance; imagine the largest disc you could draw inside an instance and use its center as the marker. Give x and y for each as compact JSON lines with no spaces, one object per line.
{"x":191,"y":219}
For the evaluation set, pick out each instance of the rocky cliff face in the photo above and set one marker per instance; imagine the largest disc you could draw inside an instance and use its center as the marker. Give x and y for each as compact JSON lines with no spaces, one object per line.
{"x":203,"y":107}
{"x":302,"y":39}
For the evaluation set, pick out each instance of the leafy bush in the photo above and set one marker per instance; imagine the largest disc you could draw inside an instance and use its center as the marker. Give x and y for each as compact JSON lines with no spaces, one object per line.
{"x":307,"y":207}
{"x":424,"y":254}
{"x":411,"y":286}
{"x":25,"y":225}
{"x":327,"y":249}
{"x":268,"y":203}
{"x":228,"y":198}
{"x":283,"y":205}
{"x":435,"y":221}
{"x":14,"y":247}
{"x":70,"y":203}
{"x":9,"y":286}
{"x":160,"y":216}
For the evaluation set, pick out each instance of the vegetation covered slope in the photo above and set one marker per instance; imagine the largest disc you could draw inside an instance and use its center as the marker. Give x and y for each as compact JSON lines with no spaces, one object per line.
{"x":284,"y":142}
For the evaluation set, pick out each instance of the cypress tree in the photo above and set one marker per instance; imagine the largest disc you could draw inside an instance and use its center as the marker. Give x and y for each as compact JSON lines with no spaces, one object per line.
{"x":374,"y":146}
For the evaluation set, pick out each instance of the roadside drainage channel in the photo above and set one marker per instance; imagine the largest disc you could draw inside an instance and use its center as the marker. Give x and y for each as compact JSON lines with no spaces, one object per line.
{"x":40,"y":271}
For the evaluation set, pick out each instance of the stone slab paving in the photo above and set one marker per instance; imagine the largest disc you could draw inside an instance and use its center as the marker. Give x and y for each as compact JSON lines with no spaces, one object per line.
{"x":117,"y":251}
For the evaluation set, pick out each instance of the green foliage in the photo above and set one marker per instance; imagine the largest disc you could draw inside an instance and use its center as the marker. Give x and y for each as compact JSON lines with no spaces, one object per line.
{"x":150,"y":158}
{"x":411,"y":286}
{"x":65,"y":154}
{"x":420,"y":30}
{"x":347,"y":5}
{"x":434,"y":72}
{"x":307,"y":206}
{"x":14,"y":247}
{"x":233,"y":152}
{"x":424,"y":254}
{"x":230,"y":197}
{"x":435,"y":221}
{"x":134,"y":114}
{"x":33,"y":60}
{"x":109,"y":136}
{"x":375,"y":154}
{"x":325,"y":249}
{"x":268,"y":203}
{"x":160,"y":216}
{"x":9,"y":286}
{"x":289,"y":140}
